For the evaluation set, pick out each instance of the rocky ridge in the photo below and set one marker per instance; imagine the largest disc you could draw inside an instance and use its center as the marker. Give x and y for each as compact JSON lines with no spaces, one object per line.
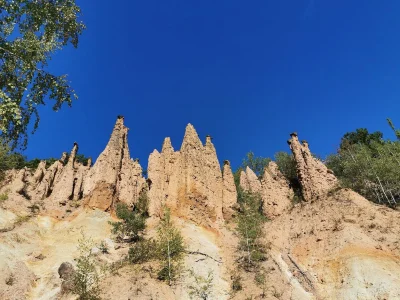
{"x":334,"y":245}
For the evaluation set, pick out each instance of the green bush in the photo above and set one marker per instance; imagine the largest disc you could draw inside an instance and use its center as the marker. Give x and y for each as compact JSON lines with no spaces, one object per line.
{"x":143,"y":251}
{"x":86,"y":277}
{"x":132,"y":224}
{"x":3,"y":197}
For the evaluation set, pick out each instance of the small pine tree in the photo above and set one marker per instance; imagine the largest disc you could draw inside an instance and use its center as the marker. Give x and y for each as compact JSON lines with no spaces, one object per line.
{"x":250,"y":225}
{"x":86,"y":278}
{"x":170,"y":249}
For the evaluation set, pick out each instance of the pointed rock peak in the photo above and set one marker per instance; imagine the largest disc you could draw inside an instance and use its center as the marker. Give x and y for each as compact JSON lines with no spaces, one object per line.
{"x":191,"y":138}
{"x":167,"y":145}
{"x":74,"y":151}
{"x":250,"y":174}
{"x":155,"y":152}
{"x":120,"y":120}
{"x":63,"y":157}
{"x":227,"y":168}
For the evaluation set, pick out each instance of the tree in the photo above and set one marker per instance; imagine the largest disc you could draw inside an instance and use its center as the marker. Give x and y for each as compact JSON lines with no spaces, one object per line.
{"x":250,"y":223}
{"x":360,"y":136}
{"x":372,"y":170}
{"x":86,"y":277}
{"x":31,"y":31}
{"x":287,"y":165}
{"x":132,"y":222}
{"x":256,"y":163}
{"x":171,"y":248}
{"x":396,"y":131}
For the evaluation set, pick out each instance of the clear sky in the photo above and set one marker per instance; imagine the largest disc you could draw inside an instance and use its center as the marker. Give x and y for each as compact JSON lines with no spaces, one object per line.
{"x":246,"y":72}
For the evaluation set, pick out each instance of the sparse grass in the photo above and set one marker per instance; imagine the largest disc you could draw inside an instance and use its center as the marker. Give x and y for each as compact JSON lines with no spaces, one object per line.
{"x":3,"y":197}
{"x":236,"y":282}
{"x":18,"y":238}
{"x":22,"y":219}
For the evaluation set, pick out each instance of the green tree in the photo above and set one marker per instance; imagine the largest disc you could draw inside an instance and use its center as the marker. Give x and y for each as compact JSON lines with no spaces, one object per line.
{"x":250,"y":223}
{"x":360,"y":136}
{"x":287,"y":165}
{"x":170,"y":248}
{"x":86,"y":277}
{"x":256,"y":163}
{"x":396,"y":131}
{"x":132,"y":222}
{"x":31,"y":31}
{"x":372,"y":170}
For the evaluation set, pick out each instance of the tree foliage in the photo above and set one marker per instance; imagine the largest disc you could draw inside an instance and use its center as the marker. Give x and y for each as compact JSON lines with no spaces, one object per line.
{"x":86,"y":277}
{"x":31,"y":31}
{"x":250,"y":223}
{"x":360,"y":136}
{"x":372,"y":170}
{"x":170,"y":248}
{"x":287,"y":165}
{"x":256,"y":163}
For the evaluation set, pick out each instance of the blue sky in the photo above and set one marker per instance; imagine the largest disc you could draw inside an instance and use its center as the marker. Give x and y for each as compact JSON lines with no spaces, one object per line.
{"x":246,"y":72}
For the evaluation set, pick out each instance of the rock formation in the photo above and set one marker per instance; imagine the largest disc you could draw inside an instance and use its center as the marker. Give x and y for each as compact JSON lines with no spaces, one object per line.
{"x":66,"y":185}
{"x":229,"y":193}
{"x":315,"y":178}
{"x":188,"y":181}
{"x":114,"y":176}
{"x":273,"y":188}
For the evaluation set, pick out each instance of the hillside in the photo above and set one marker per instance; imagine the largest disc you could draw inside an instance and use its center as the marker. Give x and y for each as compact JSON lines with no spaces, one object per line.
{"x":334,"y":244}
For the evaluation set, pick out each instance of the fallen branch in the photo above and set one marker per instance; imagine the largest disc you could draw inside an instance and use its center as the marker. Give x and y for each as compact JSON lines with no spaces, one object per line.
{"x":204,"y":254}
{"x":301,"y":272}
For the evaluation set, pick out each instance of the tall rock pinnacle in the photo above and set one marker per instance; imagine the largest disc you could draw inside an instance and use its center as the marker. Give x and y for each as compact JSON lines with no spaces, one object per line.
{"x":105,"y":181}
{"x":188,"y":181}
{"x":313,"y":175}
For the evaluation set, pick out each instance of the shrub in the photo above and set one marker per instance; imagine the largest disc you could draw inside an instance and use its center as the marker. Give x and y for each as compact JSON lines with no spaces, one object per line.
{"x":3,"y":197}
{"x":202,"y":287}
{"x":86,"y":278}
{"x":142,"y":251}
{"x":236,"y":283}
{"x":131,"y":225}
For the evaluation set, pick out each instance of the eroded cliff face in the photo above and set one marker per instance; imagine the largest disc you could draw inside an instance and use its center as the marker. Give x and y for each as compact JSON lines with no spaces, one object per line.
{"x":315,"y":178}
{"x":67,"y":184}
{"x":190,"y":181}
{"x":273,"y":188}
{"x":114,"y":176}
{"x":334,"y":245}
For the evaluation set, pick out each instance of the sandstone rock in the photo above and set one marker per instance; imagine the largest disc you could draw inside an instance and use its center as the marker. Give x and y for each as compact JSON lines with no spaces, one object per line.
{"x":229,"y":193}
{"x":39,"y":173}
{"x":114,"y":176}
{"x":18,"y":185}
{"x":275,"y":191}
{"x":66,"y":272}
{"x":188,"y":181}
{"x":313,"y":175}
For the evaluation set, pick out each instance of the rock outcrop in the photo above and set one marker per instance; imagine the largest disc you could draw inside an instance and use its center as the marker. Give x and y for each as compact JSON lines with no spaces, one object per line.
{"x":229,"y":193}
{"x":66,"y":185}
{"x":275,"y":191}
{"x":114,"y":176}
{"x":188,"y":181}
{"x":315,"y":178}
{"x":273,"y":188}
